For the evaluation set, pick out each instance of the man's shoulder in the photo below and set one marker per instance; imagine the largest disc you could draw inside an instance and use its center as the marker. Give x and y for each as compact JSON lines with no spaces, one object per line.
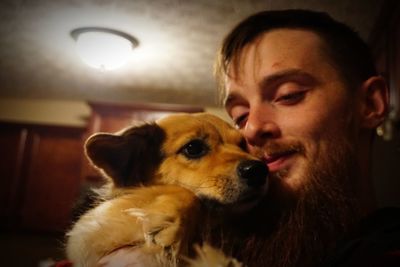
{"x":376,"y":242}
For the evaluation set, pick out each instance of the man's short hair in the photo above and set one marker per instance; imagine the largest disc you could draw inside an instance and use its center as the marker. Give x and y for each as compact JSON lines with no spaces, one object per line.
{"x":348,"y":52}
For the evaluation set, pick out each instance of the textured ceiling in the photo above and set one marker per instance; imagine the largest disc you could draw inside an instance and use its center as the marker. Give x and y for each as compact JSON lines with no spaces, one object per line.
{"x":173,"y":63}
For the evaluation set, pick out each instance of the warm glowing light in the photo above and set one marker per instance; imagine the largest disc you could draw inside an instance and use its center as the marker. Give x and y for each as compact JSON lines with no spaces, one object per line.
{"x":103,"y":48}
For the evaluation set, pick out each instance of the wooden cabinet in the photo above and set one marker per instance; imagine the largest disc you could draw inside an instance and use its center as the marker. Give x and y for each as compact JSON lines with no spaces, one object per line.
{"x":40,"y":174}
{"x":108,"y":117}
{"x":12,"y":145}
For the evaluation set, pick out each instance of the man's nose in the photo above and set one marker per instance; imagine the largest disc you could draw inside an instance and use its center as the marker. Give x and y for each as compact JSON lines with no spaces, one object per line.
{"x":261,"y":125}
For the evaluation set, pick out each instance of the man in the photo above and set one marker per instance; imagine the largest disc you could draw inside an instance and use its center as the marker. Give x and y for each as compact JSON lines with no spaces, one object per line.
{"x":303,"y":90}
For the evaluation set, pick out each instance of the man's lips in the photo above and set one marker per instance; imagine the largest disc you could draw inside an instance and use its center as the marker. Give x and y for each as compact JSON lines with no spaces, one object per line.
{"x":277,"y":161}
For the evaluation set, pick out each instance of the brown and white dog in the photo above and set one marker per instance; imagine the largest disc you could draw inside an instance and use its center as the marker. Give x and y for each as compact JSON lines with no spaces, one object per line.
{"x":159,"y":177}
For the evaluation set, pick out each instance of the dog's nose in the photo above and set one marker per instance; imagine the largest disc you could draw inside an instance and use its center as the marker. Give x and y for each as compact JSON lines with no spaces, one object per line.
{"x":254,"y":172}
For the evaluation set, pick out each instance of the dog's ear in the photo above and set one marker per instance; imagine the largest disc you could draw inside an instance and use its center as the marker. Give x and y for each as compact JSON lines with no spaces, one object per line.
{"x":128,"y":158}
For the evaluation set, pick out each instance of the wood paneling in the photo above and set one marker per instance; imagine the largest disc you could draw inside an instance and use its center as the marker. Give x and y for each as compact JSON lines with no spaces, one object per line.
{"x":40,"y":173}
{"x":12,"y":145}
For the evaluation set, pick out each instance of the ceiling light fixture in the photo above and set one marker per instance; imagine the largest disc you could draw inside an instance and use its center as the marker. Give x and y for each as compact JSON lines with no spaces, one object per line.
{"x":103,"y":48}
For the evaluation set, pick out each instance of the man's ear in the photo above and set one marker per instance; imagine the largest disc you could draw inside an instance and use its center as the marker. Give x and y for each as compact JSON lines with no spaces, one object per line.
{"x":128,"y":158}
{"x":375,"y":101}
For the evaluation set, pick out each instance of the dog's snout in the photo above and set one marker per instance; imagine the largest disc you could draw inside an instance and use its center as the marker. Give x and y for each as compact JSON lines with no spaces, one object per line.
{"x":254,"y":172}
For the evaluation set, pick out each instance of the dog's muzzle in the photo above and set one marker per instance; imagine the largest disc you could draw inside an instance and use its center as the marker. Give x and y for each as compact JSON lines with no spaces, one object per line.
{"x":254,"y":172}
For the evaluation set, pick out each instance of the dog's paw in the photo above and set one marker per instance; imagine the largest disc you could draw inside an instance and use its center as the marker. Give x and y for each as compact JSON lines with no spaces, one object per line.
{"x":158,"y":228}
{"x":168,"y":220}
{"x":132,"y":256}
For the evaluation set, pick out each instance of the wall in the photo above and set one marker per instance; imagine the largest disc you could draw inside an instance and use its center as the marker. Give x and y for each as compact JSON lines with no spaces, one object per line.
{"x":70,"y":113}
{"x":57,"y":112}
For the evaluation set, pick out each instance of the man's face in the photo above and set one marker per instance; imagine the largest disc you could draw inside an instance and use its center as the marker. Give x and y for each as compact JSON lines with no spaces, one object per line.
{"x":290,"y":103}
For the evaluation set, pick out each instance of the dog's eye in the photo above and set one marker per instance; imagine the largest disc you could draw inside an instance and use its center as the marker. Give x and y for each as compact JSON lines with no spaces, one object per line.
{"x":194,"y":149}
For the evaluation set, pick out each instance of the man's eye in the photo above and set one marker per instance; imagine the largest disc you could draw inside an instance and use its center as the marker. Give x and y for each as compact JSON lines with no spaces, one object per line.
{"x":240,"y":121}
{"x":194,"y":149}
{"x":291,"y":98}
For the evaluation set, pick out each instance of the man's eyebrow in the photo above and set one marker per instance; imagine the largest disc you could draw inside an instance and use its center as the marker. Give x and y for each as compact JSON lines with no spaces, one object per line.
{"x":229,"y":99}
{"x":284,"y":75}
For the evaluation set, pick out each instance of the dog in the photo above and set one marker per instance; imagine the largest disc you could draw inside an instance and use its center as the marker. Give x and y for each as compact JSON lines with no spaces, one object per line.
{"x":161,"y":177}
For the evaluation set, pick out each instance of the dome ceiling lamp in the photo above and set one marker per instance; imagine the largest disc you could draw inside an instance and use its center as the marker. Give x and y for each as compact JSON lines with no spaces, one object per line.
{"x":103,"y":48}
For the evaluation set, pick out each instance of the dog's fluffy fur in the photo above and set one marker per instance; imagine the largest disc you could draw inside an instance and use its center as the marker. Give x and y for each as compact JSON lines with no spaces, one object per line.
{"x":159,"y":175}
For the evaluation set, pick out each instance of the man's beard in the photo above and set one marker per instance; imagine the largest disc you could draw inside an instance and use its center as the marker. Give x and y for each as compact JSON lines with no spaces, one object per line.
{"x":301,"y":228}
